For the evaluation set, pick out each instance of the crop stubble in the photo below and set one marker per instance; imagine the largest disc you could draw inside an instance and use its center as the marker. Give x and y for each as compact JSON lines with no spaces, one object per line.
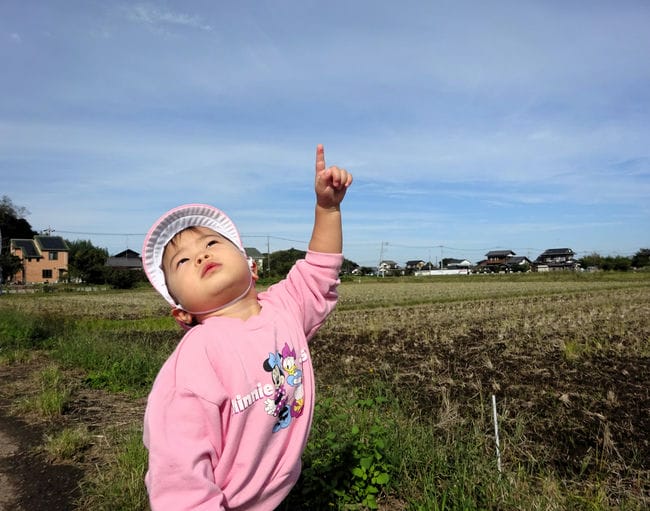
{"x":571,"y":368}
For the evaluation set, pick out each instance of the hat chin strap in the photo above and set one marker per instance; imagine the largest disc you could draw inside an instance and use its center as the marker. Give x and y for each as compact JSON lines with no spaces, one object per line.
{"x":231,"y":302}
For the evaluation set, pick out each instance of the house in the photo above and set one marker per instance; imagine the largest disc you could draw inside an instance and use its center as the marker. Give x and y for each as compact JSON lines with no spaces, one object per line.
{"x":257,"y":256}
{"x":499,"y":256}
{"x":388,"y":267}
{"x":126,"y":260}
{"x":44,"y":259}
{"x":557,"y":259}
{"x":519,"y":263}
{"x":496,"y":261}
{"x":415,"y":265}
{"x":456,"y":264}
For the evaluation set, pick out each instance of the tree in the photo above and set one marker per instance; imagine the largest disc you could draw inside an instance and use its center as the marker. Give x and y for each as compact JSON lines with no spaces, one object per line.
{"x":9,"y":266}
{"x":348,"y":266}
{"x":86,"y":262}
{"x":283,"y":260}
{"x":641,"y":258}
{"x":12,"y":226}
{"x":593,"y":260}
{"x":122,"y":279}
{"x":618,"y":263}
{"x":519,"y":268}
{"x":607,"y":263}
{"x":13,"y":223}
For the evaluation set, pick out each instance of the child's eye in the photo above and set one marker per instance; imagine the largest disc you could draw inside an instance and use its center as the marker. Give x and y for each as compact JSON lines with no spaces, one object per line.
{"x":212,"y":242}
{"x":181,"y":262}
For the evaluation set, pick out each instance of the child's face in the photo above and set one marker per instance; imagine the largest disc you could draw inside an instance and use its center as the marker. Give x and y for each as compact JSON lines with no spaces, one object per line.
{"x":204,"y":270}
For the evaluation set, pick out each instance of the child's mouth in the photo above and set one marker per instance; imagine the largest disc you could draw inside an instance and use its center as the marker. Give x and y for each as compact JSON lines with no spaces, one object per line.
{"x":208,"y":268}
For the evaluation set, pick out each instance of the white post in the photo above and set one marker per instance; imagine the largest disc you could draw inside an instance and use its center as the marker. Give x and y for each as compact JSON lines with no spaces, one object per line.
{"x":496,"y":431}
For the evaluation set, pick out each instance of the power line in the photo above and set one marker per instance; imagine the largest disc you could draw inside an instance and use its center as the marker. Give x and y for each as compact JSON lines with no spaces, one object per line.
{"x":352,"y":243}
{"x":143,"y":234}
{"x":101,"y":233}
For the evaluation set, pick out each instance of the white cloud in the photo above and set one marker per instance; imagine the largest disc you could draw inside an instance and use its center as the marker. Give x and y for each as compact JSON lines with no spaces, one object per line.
{"x":154,"y":16}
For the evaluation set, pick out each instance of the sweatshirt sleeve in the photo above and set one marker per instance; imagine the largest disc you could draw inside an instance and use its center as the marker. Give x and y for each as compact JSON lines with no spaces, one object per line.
{"x":180,"y":432}
{"x":312,"y":285}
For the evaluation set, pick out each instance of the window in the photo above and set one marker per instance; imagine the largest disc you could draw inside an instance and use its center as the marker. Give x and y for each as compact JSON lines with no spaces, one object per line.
{"x":53,"y":256}
{"x":47,"y":274}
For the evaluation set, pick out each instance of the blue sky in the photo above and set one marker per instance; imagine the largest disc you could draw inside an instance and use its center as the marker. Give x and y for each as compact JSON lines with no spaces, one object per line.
{"x":468,"y":126}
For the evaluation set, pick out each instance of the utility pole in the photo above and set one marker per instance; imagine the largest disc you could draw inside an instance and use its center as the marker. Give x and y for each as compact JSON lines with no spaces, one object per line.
{"x":0,"y":264}
{"x":268,"y":256}
{"x":381,"y":258}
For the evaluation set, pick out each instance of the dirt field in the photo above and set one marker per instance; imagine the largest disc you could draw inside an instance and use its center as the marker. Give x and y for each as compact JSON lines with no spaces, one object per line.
{"x":29,"y":481}
{"x":574,"y":369}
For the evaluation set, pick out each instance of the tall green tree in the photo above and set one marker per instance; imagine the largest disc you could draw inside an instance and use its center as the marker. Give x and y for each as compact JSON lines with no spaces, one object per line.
{"x":86,"y":262}
{"x":594,"y":260}
{"x":641,"y":258}
{"x":13,"y":223}
{"x":12,"y":226}
{"x":283,"y":260}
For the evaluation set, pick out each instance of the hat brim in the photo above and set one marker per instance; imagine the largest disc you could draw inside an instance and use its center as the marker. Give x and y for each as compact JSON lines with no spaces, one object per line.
{"x":169,"y":225}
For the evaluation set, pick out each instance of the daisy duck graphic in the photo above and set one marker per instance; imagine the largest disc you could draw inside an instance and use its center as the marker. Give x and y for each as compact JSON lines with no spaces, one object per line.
{"x":284,"y":369}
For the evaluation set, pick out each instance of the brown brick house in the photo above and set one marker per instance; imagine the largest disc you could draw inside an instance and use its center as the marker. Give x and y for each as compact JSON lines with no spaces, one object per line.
{"x":44,"y":259}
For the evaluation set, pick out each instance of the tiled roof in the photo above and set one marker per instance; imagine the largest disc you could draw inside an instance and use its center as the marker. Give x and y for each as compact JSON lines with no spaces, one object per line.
{"x":51,"y":243}
{"x":28,"y":247}
{"x":518,"y":260}
{"x":499,"y":253}
{"x":558,"y":251}
{"x":128,"y":254}
{"x":252,"y":252}
{"x":124,"y":262}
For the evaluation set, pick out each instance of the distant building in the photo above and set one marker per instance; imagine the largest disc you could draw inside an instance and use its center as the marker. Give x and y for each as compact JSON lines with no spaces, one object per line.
{"x":126,"y":260}
{"x":388,"y":267}
{"x":519,"y":263}
{"x":44,"y":259}
{"x":456,"y":264}
{"x":415,"y":265}
{"x":496,"y":261}
{"x":257,"y":256}
{"x":557,"y":259}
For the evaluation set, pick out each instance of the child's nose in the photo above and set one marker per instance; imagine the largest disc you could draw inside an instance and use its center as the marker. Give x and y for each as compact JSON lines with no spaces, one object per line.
{"x":201,"y":258}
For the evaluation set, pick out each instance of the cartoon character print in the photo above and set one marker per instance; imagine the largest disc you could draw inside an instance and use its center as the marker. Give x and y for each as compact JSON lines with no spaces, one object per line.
{"x":284,"y":370}
{"x":294,"y":379}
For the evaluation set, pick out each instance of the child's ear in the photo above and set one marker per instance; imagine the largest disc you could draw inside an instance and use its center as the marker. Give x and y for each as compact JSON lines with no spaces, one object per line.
{"x":182,"y":316}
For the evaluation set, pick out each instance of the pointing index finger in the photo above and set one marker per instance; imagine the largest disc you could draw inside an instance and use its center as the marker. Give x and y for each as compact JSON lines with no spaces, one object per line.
{"x":320,"y":158}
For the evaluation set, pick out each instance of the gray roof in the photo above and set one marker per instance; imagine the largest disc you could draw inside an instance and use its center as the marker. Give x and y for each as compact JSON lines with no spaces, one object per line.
{"x":253,"y":252}
{"x":499,"y":253}
{"x":52,"y":243}
{"x":124,"y":262}
{"x":128,"y":254}
{"x":518,"y":260}
{"x":28,"y":247}
{"x":558,"y":251}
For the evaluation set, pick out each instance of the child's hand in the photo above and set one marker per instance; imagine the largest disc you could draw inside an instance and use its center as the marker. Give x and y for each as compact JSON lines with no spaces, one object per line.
{"x":331,"y":182}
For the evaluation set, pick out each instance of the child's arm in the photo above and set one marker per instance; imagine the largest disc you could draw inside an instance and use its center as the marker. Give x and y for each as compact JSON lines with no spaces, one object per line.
{"x":330,"y":185}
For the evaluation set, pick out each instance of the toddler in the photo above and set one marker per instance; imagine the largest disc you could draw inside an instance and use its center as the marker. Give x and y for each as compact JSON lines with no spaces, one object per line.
{"x":229,"y":413}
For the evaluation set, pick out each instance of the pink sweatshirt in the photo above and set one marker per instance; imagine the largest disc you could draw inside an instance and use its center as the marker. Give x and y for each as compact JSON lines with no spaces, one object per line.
{"x":229,"y":414}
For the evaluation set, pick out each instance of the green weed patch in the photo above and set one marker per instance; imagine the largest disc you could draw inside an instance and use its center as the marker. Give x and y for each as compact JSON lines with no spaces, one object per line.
{"x":119,"y":360}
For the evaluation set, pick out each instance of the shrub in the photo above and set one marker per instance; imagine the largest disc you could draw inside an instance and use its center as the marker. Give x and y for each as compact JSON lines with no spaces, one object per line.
{"x":345,"y":462}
